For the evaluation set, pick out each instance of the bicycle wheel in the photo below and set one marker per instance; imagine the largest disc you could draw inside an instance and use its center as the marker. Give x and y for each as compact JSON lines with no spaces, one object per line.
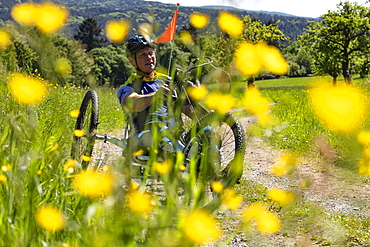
{"x":221,"y":143}
{"x":87,"y":121}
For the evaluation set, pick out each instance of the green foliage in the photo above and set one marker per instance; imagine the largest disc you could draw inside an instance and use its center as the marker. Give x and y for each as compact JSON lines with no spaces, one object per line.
{"x":338,"y":39}
{"x":88,"y":33}
{"x":111,"y":65}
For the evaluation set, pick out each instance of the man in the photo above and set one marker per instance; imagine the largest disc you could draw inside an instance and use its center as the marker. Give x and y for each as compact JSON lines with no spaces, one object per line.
{"x":145,"y":94}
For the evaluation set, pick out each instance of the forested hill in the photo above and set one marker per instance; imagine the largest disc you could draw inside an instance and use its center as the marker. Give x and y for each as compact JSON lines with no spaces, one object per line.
{"x":139,"y":11}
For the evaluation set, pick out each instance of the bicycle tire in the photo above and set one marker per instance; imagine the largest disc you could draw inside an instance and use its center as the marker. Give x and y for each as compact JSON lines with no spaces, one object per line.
{"x":88,"y":122}
{"x":231,"y":146}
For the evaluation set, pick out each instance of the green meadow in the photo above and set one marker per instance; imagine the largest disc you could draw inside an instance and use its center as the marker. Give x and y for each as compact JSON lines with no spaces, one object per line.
{"x":35,"y":145}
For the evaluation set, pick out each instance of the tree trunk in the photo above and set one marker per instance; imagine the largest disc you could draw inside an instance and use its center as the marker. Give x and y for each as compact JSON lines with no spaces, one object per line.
{"x":334,"y":81}
{"x":345,"y":72}
{"x":250,"y":81}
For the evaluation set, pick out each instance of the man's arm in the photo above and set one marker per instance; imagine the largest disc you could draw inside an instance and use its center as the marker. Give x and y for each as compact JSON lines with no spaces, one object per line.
{"x":138,"y":102}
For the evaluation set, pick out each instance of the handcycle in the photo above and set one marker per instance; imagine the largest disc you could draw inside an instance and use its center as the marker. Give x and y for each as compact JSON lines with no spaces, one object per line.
{"x":212,"y":145}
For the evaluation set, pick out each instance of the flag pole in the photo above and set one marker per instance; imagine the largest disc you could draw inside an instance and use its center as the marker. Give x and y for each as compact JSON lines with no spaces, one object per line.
{"x":172,"y":44}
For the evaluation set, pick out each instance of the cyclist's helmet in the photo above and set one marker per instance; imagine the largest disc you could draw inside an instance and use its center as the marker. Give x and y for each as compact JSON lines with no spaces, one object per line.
{"x":139,"y":42}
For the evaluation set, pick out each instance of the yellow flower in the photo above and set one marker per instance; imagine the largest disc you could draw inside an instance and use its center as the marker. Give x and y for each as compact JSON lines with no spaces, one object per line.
{"x":163,"y":167}
{"x":79,"y":133}
{"x":39,"y":172}
{"x":145,"y":29}
{"x":139,"y":152}
{"x":272,"y":59}
{"x":363,"y":137}
{"x":231,"y":199}
{"x":220,"y":102}
{"x":24,"y":13}
{"x":258,"y":105}
{"x":6,"y":168}
{"x":5,"y":39}
{"x":284,"y":165}
{"x":198,"y":20}
{"x":217,"y":186}
{"x":2,"y":179}
{"x":50,"y":218}
{"x":280,"y":196}
{"x":364,"y":163}
{"x":50,"y":17}
{"x":54,"y":147}
{"x":74,"y":113}
{"x":230,"y":24}
{"x":247,"y":59}
{"x":85,"y":158}
{"x":186,"y":38}
{"x":197,"y":93}
{"x":47,"y":16}
{"x":340,"y":108}
{"x":70,"y":166}
{"x":199,"y":227}
{"x":139,"y":202}
{"x":63,"y":67}
{"x":116,"y":31}
{"x":94,"y":184}
{"x":27,"y":90}
{"x":251,"y":58}
{"x":265,"y":221}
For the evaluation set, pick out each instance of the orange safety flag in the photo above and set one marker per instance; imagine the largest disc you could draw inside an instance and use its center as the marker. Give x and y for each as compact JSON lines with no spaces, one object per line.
{"x":169,"y":34}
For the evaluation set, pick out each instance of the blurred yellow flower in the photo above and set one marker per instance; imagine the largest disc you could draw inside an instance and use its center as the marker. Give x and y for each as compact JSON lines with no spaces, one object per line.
{"x":50,"y":218}
{"x":27,"y":90}
{"x":63,"y":67}
{"x":272,"y":59}
{"x":116,"y":31}
{"x":222,"y":103}
{"x":140,"y":202}
{"x":231,"y":199}
{"x":146,"y":29}
{"x":364,"y":163}
{"x":6,"y":168}
{"x":74,"y":113}
{"x":79,"y":133}
{"x":139,"y":152}
{"x":25,"y":13}
{"x":284,"y":165}
{"x":163,"y":167}
{"x":230,"y":24}
{"x":186,"y":38}
{"x":363,"y":137}
{"x":217,"y":186}
{"x":280,"y":196}
{"x":200,"y":227}
{"x":251,"y":58}
{"x":50,"y":17}
{"x":47,"y":16}
{"x":39,"y":172}
{"x":265,"y":221}
{"x":2,"y":179}
{"x":198,"y":20}
{"x":197,"y":93}
{"x":258,"y":105}
{"x":5,"y":39}
{"x":340,"y":108}
{"x":85,"y":158}
{"x":94,"y":184}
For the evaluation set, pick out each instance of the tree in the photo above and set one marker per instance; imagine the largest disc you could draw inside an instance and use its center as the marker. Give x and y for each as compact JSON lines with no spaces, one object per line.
{"x":338,"y":38}
{"x":111,"y":65}
{"x":88,"y":33}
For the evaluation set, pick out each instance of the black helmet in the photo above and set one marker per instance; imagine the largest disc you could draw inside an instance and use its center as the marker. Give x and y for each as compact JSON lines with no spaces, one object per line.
{"x":139,"y":42}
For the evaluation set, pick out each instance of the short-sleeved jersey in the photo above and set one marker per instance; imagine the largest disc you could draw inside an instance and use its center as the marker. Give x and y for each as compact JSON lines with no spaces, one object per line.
{"x":157,"y":112}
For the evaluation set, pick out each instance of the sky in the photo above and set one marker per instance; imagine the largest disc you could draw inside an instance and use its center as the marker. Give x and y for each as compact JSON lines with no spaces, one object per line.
{"x":308,"y":8}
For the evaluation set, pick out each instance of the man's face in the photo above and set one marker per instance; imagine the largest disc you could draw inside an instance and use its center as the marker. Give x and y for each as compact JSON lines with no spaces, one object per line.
{"x":145,"y":59}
